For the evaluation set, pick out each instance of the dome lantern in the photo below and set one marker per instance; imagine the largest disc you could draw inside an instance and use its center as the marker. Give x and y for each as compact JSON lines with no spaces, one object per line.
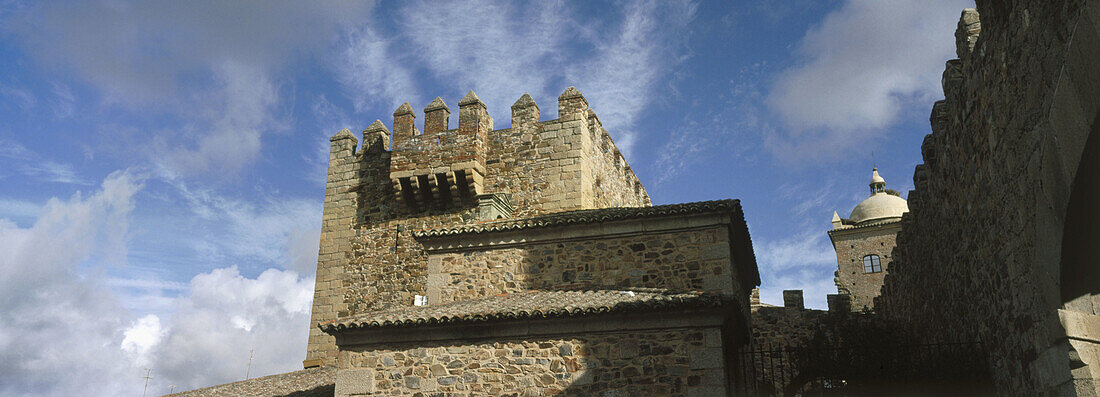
{"x":878,"y":185}
{"x":881,"y":206}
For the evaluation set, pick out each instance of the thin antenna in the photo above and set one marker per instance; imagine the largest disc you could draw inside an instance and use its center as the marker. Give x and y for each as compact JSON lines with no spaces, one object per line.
{"x":146,"y":377}
{"x":873,"y":161}
{"x":248,"y":373}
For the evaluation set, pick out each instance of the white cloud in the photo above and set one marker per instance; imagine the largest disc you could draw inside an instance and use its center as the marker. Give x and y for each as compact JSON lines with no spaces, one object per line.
{"x":20,"y":159}
{"x":144,"y":51}
{"x":226,"y":316}
{"x":696,"y":141}
{"x":815,"y":284}
{"x":12,"y":208}
{"x":521,"y":47}
{"x":63,"y":100}
{"x":372,"y":74}
{"x":142,"y":335}
{"x":24,"y":99}
{"x":64,"y":332}
{"x":54,"y":321}
{"x":499,"y":54}
{"x":862,"y":65}
{"x":620,"y":79}
{"x":804,"y":261}
{"x":264,"y":231}
{"x":228,"y":136}
{"x":213,"y":65}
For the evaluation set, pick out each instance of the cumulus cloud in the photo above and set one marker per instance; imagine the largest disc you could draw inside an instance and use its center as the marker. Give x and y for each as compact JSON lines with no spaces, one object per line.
{"x":860,"y":66}
{"x":54,"y":320}
{"x":65,"y":331}
{"x":225,"y":316}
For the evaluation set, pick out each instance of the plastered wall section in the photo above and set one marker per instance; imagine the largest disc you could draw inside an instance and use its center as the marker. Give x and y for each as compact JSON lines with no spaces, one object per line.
{"x":696,"y":260}
{"x":851,"y":245}
{"x":658,"y":363}
{"x":978,"y":255}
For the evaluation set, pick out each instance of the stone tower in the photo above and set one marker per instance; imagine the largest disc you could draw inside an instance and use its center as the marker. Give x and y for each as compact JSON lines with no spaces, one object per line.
{"x":378,"y":195}
{"x":864,"y":242}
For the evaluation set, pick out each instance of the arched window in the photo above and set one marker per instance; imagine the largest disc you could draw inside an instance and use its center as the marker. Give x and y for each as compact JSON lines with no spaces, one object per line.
{"x":871,"y":264}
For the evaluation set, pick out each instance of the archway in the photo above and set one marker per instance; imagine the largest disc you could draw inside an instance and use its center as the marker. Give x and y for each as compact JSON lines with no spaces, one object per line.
{"x":1080,"y":275}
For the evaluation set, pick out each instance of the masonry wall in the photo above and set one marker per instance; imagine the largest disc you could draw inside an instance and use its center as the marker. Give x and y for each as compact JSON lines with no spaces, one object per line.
{"x":657,"y":363}
{"x":697,"y":260}
{"x":368,"y":259}
{"x":979,"y":253}
{"x":851,"y":245}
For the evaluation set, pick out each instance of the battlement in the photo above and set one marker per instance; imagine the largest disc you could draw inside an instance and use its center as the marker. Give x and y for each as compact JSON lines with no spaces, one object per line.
{"x":441,"y":167}
{"x":444,"y":168}
{"x":433,"y":174}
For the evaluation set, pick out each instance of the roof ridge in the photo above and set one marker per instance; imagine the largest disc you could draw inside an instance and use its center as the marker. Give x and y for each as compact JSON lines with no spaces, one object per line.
{"x":582,"y":216}
{"x":530,"y":305}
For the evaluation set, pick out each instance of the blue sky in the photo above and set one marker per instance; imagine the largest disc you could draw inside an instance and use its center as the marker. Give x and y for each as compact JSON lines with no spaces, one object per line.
{"x":162,"y":163}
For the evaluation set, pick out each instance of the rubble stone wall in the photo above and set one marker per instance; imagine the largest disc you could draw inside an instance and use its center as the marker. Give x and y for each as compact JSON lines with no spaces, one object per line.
{"x":979,"y":253}
{"x":697,"y":260}
{"x":657,"y":363}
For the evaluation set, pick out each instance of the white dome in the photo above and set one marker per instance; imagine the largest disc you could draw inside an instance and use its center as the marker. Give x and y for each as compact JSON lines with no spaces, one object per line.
{"x":880,"y":206}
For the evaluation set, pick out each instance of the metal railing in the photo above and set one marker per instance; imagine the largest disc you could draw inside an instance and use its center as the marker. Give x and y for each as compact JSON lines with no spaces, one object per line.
{"x":934,"y":368}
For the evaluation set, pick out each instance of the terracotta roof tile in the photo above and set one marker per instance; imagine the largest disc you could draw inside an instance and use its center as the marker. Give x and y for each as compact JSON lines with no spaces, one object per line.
{"x":308,"y":382}
{"x":586,"y":216}
{"x":529,"y":305}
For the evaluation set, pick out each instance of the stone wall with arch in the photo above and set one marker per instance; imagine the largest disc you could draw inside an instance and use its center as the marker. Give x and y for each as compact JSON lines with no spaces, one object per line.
{"x":999,"y":221}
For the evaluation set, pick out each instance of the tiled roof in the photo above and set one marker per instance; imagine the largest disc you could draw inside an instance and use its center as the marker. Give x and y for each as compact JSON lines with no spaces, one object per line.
{"x":586,"y":216}
{"x":529,"y":305}
{"x":864,"y":226}
{"x":308,"y":382}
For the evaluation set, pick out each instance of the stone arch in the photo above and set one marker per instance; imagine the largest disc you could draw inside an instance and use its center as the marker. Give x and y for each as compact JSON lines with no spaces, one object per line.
{"x":1080,"y":264}
{"x":1071,"y":183}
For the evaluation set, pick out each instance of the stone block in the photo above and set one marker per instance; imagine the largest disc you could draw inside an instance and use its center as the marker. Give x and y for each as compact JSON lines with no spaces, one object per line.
{"x":354,"y":382}
{"x":706,"y":358}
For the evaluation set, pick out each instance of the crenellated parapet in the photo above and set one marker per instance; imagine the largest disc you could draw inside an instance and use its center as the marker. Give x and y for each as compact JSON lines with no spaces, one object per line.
{"x":441,"y":167}
{"x":414,"y":176}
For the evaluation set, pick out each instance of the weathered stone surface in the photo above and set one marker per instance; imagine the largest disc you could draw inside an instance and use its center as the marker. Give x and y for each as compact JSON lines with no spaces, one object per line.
{"x":632,"y":364}
{"x":851,"y":246}
{"x":980,"y":256}
{"x":376,"y":197}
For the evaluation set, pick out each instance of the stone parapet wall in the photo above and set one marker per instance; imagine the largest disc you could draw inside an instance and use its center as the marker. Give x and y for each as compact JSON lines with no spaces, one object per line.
{"x":978,"y":256}
{"x":780,"y":327}
{"x":657,"y":363}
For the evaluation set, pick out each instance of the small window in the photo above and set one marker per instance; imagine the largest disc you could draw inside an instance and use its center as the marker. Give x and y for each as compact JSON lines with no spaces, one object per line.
{"x":871,"y":264}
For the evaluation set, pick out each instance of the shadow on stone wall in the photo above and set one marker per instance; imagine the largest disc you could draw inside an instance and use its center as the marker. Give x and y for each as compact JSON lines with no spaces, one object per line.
{"x":811,"y":352}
